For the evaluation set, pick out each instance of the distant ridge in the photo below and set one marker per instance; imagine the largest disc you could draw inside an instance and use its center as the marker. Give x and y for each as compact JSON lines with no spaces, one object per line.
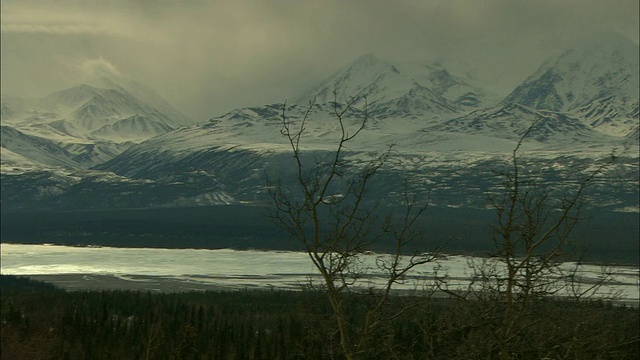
{"x":117,"y":144}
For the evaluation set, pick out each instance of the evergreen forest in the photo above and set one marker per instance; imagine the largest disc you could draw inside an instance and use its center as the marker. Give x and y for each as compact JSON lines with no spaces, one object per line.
{"x":40,"y":321}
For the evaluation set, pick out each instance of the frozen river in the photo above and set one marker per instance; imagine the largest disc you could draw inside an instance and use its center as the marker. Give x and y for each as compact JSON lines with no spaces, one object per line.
{"x":198,"y":269}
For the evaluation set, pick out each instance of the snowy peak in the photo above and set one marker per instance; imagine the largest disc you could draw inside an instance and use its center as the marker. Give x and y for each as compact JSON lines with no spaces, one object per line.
{"x":581,"y":75}
{"x":145,"y":94}
{"x":104,"y":107}
{"x":103,"y":101}
{"x":91,"y":107}
{"x":91,"y":122}
{"x":459,"y":90}
{"x":596,"y":82}
{"x":366,"y":76}
{"x":81,"y":111}
{"x":71,"y":98}
{"x":399,"y":90}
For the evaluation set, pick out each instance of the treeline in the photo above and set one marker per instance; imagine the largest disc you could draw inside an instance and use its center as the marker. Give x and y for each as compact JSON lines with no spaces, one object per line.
{"x":42,"y":322}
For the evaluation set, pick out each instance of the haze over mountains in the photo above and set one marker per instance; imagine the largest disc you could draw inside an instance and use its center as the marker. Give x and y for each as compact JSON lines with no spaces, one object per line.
{"x":116,"y":144}
{"x":87,"y":124}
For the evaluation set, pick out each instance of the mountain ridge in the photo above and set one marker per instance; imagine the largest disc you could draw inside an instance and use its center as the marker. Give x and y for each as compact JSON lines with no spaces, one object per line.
{"x":443,"y":127}
{"x":598,"y":83}
{"x":102,"y":115}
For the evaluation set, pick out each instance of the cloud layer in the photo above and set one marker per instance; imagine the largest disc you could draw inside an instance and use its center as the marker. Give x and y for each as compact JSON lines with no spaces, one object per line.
{"x":208,"y":57}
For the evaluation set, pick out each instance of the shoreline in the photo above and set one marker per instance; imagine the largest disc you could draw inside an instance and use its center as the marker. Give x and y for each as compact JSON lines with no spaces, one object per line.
{"x":150,"y":283}
{"x":159,"y":284}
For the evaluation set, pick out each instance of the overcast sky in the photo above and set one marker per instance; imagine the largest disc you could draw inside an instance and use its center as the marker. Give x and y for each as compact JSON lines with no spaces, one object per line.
{"x":208,"y":57}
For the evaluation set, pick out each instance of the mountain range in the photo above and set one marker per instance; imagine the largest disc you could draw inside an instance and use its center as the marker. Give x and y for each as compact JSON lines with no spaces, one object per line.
{"x":114,"y":143}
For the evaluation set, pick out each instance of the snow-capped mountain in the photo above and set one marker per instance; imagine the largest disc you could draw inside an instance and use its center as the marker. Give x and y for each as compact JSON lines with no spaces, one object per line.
{"x":399,"y":90}
{"x":597,"y":83}
{"x":446,"y":130}
{"x":91,"y":123}
{"x":89,"y":108}
{"x":147,"y":95}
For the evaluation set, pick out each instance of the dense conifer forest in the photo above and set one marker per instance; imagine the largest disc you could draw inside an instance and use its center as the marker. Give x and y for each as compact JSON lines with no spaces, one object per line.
{"x":40,"y":321}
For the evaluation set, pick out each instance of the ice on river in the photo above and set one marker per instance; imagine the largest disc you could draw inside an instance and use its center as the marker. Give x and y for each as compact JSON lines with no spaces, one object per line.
{"x":267,"y":269}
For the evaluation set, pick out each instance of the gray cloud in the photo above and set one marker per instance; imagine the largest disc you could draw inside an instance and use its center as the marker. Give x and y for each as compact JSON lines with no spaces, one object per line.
{"x":208,"y":57}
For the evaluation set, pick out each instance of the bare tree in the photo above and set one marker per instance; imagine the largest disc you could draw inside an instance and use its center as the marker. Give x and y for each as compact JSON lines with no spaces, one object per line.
{"x":532,"y":234}
{"x":326,"y":210}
